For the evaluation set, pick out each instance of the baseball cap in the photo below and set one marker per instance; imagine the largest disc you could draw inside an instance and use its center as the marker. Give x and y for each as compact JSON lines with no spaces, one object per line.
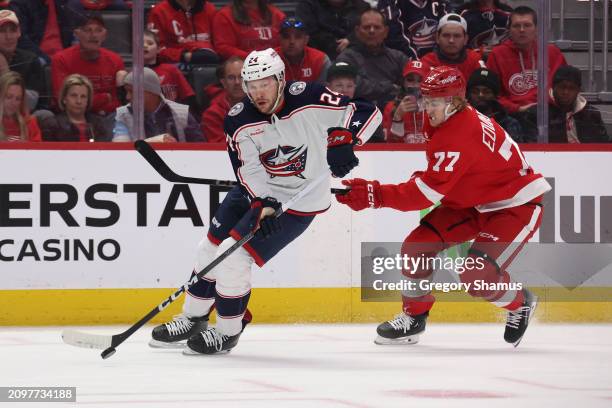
{"x":415,"y":67}
{"x":8,"y":16}
{"x":292,"y":22}
{"x":452,"y":19}
{"x":568,"y":73}
{"x":341,"y":69}
{"x":86,"y":18}
{"x":484,"y":77}
{"x":150,"y":81}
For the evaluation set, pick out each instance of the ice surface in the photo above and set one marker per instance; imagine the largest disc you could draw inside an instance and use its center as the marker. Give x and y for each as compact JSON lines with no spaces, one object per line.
{"x":325,"y":366}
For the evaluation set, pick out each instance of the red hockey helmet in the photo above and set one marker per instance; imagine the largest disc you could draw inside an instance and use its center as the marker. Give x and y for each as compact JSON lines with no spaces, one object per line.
{"x":443,"y":81}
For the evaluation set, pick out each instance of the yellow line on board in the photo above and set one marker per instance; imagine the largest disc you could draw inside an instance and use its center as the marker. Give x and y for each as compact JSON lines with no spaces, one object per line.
{"x":281,"y":305}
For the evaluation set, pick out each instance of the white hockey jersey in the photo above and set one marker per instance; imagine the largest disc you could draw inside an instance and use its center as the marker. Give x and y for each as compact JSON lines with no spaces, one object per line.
{"x":277,"y":155}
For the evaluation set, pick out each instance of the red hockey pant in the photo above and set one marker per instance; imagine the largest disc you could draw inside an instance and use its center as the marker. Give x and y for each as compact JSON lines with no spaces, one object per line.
{"x":498,"y":237}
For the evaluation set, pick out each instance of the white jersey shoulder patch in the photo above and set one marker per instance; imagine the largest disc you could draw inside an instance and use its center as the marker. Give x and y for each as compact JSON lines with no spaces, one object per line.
{"x":297,"y":88}
{"x":236,"y":109}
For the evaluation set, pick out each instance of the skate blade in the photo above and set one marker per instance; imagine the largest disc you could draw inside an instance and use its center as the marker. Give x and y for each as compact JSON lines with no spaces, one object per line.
{"x":533,"y":305}
{"x":164,"y":345}
{"x":382,"y":341}
{"x":189,"y":352}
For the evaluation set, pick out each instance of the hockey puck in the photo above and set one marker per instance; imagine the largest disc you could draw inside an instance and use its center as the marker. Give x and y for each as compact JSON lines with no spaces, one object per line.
{"x":108,"y":352}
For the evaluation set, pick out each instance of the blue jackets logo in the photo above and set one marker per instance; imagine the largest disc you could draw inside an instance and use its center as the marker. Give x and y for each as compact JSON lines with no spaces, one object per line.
{"x":285,"y":161}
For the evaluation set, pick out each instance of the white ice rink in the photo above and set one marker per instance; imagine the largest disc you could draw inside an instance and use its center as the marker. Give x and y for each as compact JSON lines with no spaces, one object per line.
{"x":325,"y":366}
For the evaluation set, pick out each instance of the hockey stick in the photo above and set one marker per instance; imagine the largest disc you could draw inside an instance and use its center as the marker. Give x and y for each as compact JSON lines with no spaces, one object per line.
{"x":110,"y":343}
{"x":155,"y":160}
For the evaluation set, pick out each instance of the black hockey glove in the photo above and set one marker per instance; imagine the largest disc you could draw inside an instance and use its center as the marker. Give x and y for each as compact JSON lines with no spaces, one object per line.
{"x":340,"y":155}
{"x":264,"y":225}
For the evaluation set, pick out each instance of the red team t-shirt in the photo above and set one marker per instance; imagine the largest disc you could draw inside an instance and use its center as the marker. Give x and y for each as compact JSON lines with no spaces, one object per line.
{"x":101,"y":72}
{"x":232,"y":38}
{"x":309,"y":69}
{"x":472,"y":162}
{"x":472,"y":62}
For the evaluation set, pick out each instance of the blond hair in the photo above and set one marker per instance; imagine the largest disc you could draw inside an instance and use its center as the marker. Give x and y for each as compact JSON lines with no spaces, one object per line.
{"x":75,"y":80}
{"x":7,"y":80}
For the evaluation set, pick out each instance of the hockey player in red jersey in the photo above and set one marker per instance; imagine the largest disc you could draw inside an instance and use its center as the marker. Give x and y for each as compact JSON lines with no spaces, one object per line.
{"x":488,"y":194}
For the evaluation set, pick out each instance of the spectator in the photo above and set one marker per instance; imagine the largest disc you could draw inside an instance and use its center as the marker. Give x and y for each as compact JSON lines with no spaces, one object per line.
{"x":232,"y":93}
{"x":101,"y":66}
{"x":515,"y":62}
{"x":17,"y":125}
{"x":451,"y":50}
{"x":403,"y":118}
{"x":75,"y":123}
{"x":47,"y":27}
{"x":330,"y":23}
{"x":246,"y":25}
{"x":571,"y":119}
{"x":342,"y":78}
{"x":482,"y":92}
{"x":380,"y":67}
{"x":302,"y":63}
{"x":174,"y":85}
{"x":24,"y":62}
{"x":412,"y":24}
{"x":487,"y":22}
{"x":184,"y":28}
{"x":165,"y":121}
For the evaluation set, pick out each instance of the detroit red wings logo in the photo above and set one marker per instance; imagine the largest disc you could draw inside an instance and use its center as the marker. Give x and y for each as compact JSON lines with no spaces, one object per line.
{"x":285,"y":161}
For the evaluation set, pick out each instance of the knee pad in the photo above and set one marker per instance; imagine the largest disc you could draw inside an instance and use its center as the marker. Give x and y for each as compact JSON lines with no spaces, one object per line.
{"x":205,"y":254}
{"x":234,"y":273}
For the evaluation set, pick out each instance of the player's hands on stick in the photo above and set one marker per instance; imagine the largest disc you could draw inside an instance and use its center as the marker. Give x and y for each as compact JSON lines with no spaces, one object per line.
{"x":340,"y":155}
{"x":363,"y":194}
{"x":263,"y":216}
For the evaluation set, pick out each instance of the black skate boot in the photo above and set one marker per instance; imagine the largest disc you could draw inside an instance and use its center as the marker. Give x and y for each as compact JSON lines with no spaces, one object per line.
{"x":174,"y":334}
{"x":210,"y":341}
{"x":518,"y":320}
{"x":403,"y":329}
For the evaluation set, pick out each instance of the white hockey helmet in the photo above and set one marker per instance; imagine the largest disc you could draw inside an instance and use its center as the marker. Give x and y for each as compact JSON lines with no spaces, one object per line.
{"x":262,"y":64}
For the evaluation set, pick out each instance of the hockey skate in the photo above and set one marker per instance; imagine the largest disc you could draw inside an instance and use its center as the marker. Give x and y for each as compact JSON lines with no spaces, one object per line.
{"x":403,"y":329}
{"x":210,"y":341}
{"x":518,"y":320}
{"x":175,"y":333}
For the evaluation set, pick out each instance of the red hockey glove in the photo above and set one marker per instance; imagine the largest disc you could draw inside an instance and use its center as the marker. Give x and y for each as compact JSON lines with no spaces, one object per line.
{"x":363,"y":194}
{"x":265,"y":225}
{"x":340,"y":155}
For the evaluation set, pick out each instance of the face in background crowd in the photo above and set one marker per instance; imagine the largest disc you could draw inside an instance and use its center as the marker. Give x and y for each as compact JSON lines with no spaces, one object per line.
{"x":232,"y":81}
{"x":9,"y":35}
{"x":76,"y":100}
{"x":150,"y":49}
{"x":372,"y":30}
{"x":344,"y":85}
{"x":151,"y":101}
{"x":13,"y":100}
{"x":451,"y":40}
{"x":523,"y":30}
{"x":91,"y":36}
{"x":263,"y":93}
{"x":565,"y":94}
{"x":293,"y":42}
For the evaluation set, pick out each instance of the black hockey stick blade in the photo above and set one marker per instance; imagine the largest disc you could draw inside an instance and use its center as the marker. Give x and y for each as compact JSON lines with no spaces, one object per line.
{"x":340,"y":191}
{"x":166,"y":172}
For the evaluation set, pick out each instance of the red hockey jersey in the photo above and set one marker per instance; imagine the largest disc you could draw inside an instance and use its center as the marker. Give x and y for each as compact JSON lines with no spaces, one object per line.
{"x":212,"y":118}
{"x":173,"y":83}
{"x":471,"y":162}
{"x":232,"y":38}
{"x":310,"y":69}
{"x":518,"y":73}
{"x":181,"y":31}
{"x":410,"y":130}
{"x":472,"y":62}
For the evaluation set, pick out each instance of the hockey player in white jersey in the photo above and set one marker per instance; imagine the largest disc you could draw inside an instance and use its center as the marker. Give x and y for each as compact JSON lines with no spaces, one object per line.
{"x":279,"y":139}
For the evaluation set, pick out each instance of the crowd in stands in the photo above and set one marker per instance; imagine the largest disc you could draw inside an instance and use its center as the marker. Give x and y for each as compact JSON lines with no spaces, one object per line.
{"x":58,"y":81}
